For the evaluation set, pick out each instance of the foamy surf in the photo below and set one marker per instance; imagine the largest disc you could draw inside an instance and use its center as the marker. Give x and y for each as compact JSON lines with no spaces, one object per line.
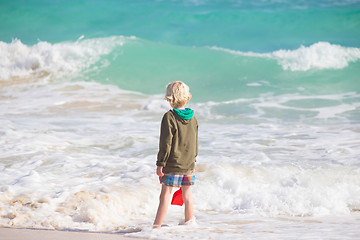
{"x":75,"y":156}
{"x":320,"y":55}
{"x":59,"y":59}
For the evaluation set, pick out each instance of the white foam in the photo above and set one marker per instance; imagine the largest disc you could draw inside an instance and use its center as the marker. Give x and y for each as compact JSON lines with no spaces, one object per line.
{"x":20,"y":60}
{"x":272,"y":190}
{"x":321,"y":55}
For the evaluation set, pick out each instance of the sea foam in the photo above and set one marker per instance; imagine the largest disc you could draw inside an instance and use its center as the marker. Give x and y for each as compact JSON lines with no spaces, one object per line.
{"x":81,"y":155}
{"x":320,"y":55}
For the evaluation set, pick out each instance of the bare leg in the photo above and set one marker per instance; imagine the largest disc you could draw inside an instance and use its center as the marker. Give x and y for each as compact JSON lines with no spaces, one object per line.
{"x":188,"y":201}
{"x":163,"y":205}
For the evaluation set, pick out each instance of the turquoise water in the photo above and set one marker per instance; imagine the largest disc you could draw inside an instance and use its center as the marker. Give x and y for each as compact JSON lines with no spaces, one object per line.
{"x":175,"y":40}
{"x":216,"y":75}
{"x":259,"y":26}
{"x":176,"y":36}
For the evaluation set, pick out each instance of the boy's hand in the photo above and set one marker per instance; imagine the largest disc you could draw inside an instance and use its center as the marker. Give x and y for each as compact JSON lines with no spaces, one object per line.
{"x":159,"y":171}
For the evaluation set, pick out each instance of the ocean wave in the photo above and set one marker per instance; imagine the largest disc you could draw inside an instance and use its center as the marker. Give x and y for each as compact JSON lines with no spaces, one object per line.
{"x":321,"y":55}
{"x":20,"y":60}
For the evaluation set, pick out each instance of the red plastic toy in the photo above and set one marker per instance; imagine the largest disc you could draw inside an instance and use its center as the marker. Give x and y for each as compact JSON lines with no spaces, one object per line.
{"x":177,"y":198}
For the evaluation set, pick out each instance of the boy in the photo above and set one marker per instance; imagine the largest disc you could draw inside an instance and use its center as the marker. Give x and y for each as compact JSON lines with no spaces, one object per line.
{"x":178,"y":149}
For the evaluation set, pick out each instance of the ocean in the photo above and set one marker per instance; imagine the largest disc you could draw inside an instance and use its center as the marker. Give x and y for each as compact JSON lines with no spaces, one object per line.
{"x":276,"y":91}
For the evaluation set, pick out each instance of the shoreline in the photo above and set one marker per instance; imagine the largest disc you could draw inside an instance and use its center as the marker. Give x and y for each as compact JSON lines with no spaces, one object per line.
{"x":14,"y":233}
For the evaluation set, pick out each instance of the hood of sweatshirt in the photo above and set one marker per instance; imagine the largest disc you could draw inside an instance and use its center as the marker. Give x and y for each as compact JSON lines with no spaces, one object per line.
{"x":185,"y":114}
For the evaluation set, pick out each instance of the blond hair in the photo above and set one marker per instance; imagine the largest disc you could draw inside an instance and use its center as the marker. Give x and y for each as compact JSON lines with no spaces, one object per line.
{"x":178,"y":94}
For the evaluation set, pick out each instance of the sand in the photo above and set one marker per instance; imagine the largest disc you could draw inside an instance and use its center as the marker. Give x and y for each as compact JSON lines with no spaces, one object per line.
{"x":40,"y":234}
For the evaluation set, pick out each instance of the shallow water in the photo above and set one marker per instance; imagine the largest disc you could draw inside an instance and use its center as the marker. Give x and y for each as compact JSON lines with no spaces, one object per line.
{"x":81,"y":156}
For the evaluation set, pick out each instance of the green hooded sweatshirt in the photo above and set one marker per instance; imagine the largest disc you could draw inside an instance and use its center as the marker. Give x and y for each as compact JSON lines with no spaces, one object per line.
{"x":178,"y":145}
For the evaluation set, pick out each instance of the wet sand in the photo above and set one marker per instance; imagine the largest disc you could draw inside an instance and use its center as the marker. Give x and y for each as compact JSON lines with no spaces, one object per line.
{"x":41,"y":234}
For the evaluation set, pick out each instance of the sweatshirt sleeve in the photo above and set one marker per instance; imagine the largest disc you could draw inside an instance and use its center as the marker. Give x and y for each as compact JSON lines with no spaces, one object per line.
{"x":197,"y":139}
{"x":166,"y":136}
